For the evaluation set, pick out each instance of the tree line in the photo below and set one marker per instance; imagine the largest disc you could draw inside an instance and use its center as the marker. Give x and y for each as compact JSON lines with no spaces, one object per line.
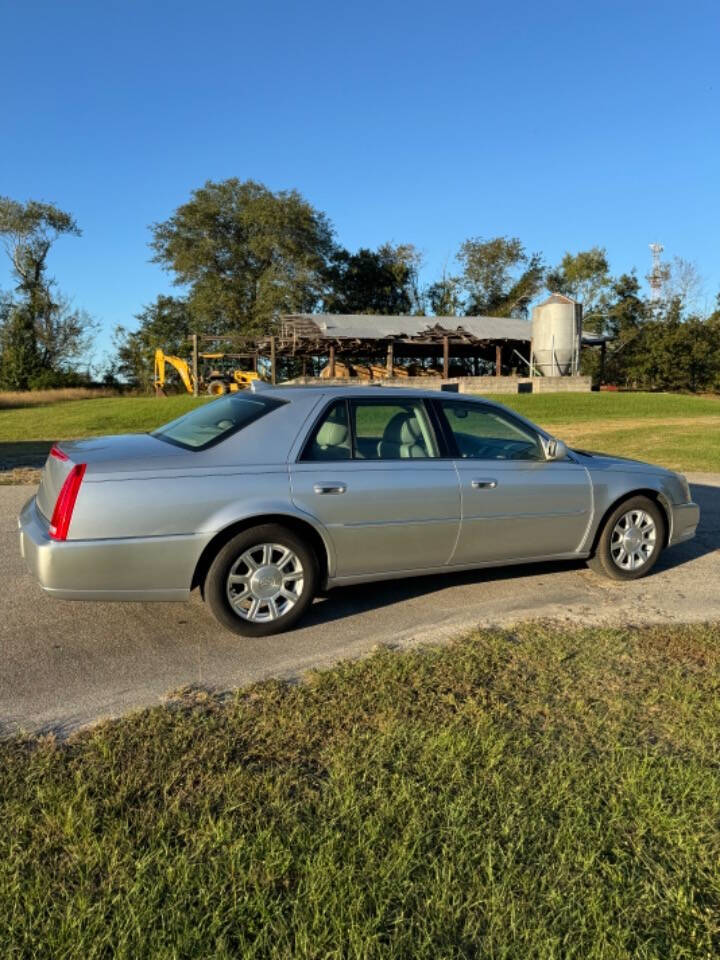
{"x":242,"y":255}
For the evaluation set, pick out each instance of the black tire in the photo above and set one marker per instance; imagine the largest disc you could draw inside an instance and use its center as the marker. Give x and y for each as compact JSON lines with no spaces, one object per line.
{"x":603,"y":562}
{"x":216,"y":388}
{"x":216,"y":581}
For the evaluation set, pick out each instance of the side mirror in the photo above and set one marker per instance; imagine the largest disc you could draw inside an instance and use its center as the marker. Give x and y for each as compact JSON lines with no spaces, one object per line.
{"x":555,"y":449}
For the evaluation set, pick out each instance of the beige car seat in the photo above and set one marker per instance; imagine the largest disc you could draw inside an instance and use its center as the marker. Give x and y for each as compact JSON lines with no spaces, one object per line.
{"x":402,"y":439}
{"x":331,"y":442}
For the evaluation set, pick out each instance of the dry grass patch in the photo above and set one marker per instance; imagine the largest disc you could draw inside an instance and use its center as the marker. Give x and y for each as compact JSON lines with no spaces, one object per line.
{"x":34,"y":398}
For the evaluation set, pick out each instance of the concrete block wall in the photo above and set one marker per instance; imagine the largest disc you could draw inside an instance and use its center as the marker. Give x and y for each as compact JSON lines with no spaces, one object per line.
{"x":562,"y":384}
{"x":491,"y":384}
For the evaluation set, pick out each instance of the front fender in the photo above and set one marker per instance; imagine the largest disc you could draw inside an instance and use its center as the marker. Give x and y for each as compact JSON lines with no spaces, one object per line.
{"x":612,"y":487}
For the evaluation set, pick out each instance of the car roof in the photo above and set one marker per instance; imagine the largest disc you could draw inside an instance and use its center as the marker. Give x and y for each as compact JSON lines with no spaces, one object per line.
{"x":290,"y":391}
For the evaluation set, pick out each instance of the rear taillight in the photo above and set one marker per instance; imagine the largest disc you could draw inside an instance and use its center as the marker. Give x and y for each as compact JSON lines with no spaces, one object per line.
{"x":62,"y":514}
{"x":56,"y":452}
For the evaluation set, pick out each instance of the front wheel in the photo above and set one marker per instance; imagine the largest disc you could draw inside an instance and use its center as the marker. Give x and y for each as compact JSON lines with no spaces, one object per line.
{"x":630,"y":541}
{"x":262,"y":581}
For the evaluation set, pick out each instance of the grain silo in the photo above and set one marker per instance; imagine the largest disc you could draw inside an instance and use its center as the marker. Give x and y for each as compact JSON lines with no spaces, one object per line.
{"x":556,"y":336}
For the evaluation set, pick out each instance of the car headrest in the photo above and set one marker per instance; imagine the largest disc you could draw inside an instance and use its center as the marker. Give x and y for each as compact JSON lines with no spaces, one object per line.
{"x":331,"y":434}
{"x":399,"y":430}
{"x":410,"y":432}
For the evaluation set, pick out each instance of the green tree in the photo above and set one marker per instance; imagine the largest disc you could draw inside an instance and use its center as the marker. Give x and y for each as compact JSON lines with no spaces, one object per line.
{"x":498,"y":277}
{"x":626,"y":315}
{"x":445,"y":296}
{"x":677,"y":352}
{"x":41,"y":333}
{"x":19,"y":360}
{"x":382,"y":281}
{"x":166,"y":323}
{"x":246,"y":254}
{"x":584,"y":276}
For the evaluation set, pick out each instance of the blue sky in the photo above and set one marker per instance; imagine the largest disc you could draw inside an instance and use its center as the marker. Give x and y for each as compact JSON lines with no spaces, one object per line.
{"x":563,"y":123}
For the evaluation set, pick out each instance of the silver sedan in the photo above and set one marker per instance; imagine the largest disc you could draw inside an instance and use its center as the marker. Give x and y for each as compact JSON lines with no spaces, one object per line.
{"x":261,"y":499}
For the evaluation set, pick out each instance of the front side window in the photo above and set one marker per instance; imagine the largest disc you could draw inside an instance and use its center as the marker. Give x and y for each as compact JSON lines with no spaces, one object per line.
{"x":483,"y":433}
{"x":391,"y":430}
{"x":215,"y":421}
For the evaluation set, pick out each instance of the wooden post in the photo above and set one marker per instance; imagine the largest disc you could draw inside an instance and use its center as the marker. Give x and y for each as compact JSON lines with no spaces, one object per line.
{"x":195,"y":364}
{"x":331,"y":361}
{"x":446,"y":357}
{"x":272,"y":359}
{"x":255,"y":361}
{"x":390,"y":358}
{"x":304,"y":366}
{"x":498,"y":360}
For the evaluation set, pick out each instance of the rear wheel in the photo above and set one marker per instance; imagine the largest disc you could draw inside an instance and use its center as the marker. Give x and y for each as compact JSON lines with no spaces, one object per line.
{"x":216,"y":388}
{"x":262,"y":581}
{"x":631,"y":540}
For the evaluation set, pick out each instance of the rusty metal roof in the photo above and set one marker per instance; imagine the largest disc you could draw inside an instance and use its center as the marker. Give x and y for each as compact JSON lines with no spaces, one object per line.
{"x":332,"y":326}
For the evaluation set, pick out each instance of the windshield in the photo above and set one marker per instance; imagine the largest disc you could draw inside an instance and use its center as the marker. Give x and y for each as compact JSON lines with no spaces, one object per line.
{"x":215,"y":421}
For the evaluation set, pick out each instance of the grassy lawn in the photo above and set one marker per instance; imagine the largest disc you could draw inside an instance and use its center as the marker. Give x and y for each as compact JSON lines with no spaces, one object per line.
{"x":677,"y":431}
{"x":682,"y":432}
{"x":87,"y":418}
{"x":518,"y":794}
{"x":551,"y":408}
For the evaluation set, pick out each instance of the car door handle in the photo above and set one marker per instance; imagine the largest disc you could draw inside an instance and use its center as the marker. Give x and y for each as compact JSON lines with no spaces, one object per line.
{"x":483,"y":484}
{"x":329,"y":486}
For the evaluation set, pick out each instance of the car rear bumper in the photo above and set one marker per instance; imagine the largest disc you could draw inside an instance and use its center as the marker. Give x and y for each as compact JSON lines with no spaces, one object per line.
{"x":137,"y":568}
{"x":685,"y":518}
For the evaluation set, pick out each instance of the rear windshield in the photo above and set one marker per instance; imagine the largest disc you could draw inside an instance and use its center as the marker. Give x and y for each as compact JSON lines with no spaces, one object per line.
{"x":216,"y":420}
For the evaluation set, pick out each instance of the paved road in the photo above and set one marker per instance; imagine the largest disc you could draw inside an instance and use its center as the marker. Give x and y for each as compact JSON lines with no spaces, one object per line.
{"x":67,"y":664}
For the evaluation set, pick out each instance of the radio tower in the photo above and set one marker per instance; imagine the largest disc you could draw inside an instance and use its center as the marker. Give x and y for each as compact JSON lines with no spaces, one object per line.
{"x":657,"y":275}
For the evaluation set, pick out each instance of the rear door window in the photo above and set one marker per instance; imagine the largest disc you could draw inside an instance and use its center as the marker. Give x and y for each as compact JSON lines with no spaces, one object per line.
{"x":330,"y":440}
{"x":391,"y":430}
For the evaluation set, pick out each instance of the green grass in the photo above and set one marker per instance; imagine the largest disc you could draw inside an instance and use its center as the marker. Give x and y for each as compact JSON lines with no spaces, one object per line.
{"x":95,"y":417}
{"x":674,"y":430}
{"x":531,"y":793}
{"x":551,"y":408}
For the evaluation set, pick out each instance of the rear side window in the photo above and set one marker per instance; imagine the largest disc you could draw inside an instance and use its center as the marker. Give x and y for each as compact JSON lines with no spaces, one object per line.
{"x":376,"y":430}
{"x":330,"y":439}
{"x":216,"y":421}
{"x":391,"y":430}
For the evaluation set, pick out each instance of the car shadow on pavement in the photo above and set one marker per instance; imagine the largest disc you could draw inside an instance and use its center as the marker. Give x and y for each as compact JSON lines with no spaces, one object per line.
{"x":344,"y":602}
{"x":707,"y":537}
{"x":23,"y":453}
{"x":348,"y":601}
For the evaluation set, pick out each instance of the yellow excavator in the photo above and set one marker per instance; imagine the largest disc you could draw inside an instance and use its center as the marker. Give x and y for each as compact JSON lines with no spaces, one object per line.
{"x":216,"y":382}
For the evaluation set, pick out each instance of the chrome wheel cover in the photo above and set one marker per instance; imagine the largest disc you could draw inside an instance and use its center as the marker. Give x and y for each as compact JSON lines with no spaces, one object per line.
{"x":632,"y":541}
{"x":265,"y":582}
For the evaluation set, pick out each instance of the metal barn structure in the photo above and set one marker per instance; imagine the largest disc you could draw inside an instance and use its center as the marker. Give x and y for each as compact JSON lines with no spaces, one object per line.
{"x":377,"y":347}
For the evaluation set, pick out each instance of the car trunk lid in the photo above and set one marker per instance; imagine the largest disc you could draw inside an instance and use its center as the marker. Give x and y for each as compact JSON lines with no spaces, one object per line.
{"x":124,"y":451}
